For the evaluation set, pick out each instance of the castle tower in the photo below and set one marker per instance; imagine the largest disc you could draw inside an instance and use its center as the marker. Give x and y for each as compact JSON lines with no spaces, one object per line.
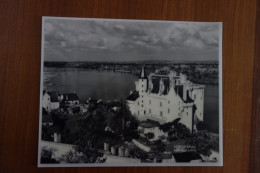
{"x":142,"y":88}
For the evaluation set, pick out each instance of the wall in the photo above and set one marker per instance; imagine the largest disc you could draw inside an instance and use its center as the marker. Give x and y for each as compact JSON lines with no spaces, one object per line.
{"x":20,"y":44}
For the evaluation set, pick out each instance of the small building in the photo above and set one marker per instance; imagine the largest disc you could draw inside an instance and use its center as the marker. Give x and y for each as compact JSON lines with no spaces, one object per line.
{"x":70,"y":99}
{"x":151,"y":126}
{"x":51,"y":100}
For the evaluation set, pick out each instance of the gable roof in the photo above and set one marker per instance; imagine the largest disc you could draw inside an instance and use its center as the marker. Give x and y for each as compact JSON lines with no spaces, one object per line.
{"x":156,"y":84}
{"x":70,"y":97}
{"x":54,"y":96}
{"x":133,"y":96}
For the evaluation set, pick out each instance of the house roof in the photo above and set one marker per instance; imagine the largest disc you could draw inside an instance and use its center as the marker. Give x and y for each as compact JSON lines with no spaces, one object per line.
{"x":149,"y":124}
{"x":133,"y":96}
{"x":54,"y":96}
{"x":70,"y":97}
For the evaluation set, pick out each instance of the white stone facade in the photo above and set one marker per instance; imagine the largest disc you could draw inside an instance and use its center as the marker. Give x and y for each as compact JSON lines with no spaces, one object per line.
{"x":165,"y":98}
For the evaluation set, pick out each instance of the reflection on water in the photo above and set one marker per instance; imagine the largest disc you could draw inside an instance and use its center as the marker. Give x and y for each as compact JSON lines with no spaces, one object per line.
{"x":109,"y":85}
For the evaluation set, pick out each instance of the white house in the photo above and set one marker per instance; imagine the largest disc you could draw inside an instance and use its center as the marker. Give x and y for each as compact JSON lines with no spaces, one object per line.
{"x":165,"y":98}
{"x":51,"y":100}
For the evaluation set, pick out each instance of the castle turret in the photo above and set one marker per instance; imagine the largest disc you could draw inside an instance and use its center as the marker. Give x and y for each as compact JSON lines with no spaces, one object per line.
{"x":143,"y":74}
{"x":142,"y":88}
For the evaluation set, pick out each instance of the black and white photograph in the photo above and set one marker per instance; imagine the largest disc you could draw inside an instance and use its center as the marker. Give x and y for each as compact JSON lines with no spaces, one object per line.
{"x":130,"y":93}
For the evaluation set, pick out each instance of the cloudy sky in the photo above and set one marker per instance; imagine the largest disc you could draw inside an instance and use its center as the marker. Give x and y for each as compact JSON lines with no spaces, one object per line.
{"x":106,"y":40}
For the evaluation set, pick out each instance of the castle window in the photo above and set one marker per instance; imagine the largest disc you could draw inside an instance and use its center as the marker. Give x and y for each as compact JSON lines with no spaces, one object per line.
{"x":142,"y":101}
{"x":169,"y":101}
{"x":142,"y":105}
{"x":150,"y":102}
{"x":161,"y":113}
{"x":142,"y":85}
{"x":187,"y":113}
{"x":142,"y":96}
{"x":138,"y":103}
{"x":149,"y":111}
{"x":160,"y":104}
{"x":138,"y":112}
{"x":168,"y":110}
{"x":194,"y":96}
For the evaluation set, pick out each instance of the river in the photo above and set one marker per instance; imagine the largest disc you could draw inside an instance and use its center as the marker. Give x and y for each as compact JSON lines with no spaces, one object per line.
{"x":109,"y":85}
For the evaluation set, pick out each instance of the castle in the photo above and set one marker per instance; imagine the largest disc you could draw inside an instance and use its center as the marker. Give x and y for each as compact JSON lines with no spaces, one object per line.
{"x":164,"y":98}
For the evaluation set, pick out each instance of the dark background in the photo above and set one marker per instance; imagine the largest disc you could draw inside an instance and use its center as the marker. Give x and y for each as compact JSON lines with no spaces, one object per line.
{"x":20,"y":57}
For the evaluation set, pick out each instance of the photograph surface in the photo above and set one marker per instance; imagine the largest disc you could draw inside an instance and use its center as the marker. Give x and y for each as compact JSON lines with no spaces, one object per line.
{"x":130,"y":93}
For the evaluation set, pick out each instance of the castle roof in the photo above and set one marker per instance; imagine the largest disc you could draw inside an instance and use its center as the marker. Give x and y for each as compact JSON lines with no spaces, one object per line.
{"x":143,"y":74}
{"x":133,"y":96}
{"x":156,"y":84}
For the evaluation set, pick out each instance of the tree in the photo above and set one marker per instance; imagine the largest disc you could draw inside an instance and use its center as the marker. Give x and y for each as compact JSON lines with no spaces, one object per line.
{"x":181,"y":131}
{"x":46,"y":156}
{"x":159,"y":146}
{"x":202,"y":126}
{"x":204,"y":142}
{"x":83,"y":155}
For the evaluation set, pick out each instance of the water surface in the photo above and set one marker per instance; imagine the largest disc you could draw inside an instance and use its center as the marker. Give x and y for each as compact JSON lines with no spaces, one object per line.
{"x":109,"y":85}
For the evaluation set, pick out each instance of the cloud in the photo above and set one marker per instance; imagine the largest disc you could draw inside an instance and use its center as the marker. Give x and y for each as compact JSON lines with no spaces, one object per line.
{"x":101,"y":40}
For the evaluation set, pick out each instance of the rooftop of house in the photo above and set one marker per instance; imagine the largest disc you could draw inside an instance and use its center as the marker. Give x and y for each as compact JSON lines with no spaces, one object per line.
{"x":149,"y":124}
{"x":133,"y":96}
{"x":70,"y":97}
{"x":54,"y":96}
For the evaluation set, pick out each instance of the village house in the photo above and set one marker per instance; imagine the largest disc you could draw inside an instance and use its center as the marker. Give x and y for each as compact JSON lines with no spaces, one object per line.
{"x":164,"y":98}
{"x":70,"y":99}
{"x":51,"y":100}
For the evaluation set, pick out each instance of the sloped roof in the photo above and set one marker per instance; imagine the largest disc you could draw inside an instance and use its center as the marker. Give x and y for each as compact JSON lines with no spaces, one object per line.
{"x":156,"y":84}
{"x":143,"y":74}
{"x":149,"y":123}
{"x":54,"y":95}
{"x":70,"y":97}
{"x":133,"y":96}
